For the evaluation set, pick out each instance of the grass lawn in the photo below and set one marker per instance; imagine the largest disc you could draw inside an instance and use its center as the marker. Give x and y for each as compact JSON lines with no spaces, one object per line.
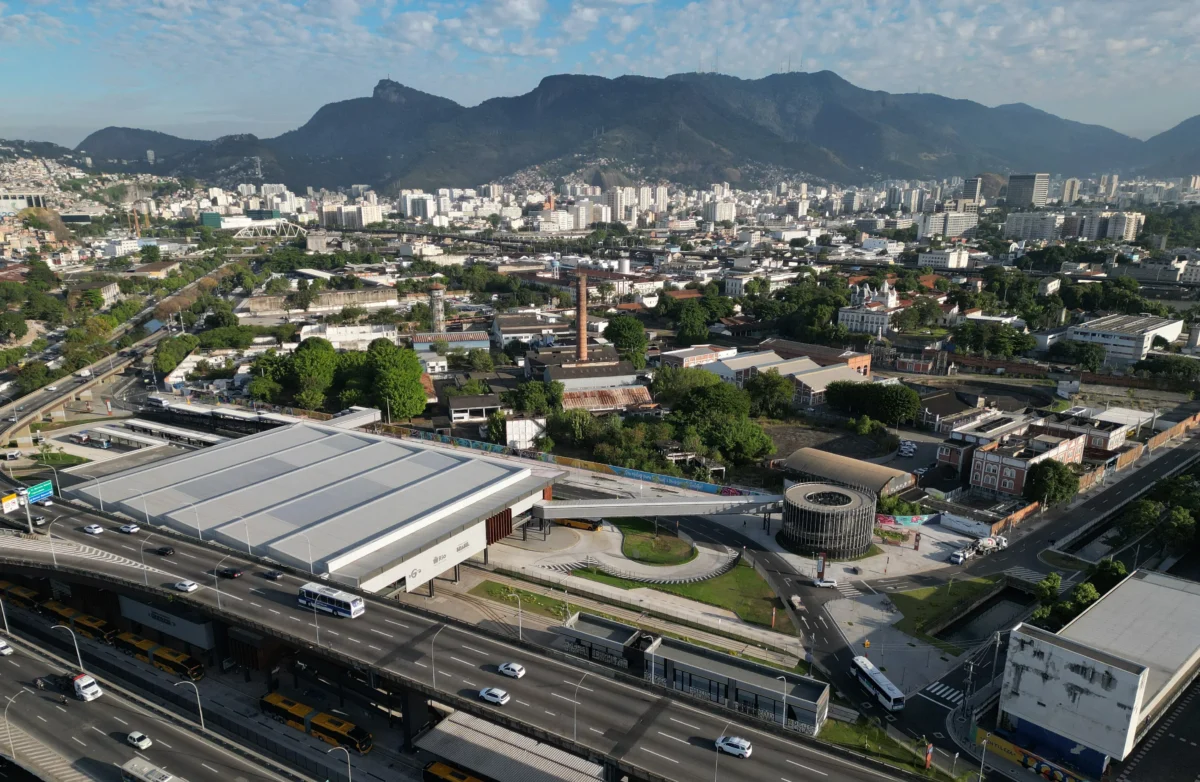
{"x":530,"y":601}
{"x":642,"y":545}
{"x":927,"y":606}
{"x":61,"y":458}
{"x":1056,"y":560}
{"x":871,"y":740}
{"x":741,"y":590}
{"x":50,"y":426}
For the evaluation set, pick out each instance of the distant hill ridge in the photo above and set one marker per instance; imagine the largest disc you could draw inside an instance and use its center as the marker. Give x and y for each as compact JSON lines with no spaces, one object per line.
{"x":689,"y":127}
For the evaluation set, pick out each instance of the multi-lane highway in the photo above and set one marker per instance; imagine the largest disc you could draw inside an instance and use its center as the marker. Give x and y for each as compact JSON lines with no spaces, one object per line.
{"x":90,"y":737}
{"x":666,"y":736}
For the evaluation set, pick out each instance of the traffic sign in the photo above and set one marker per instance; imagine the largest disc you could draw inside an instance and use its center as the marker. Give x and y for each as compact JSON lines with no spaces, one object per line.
{"x":10,"y":503}
{"x":40,"y":491}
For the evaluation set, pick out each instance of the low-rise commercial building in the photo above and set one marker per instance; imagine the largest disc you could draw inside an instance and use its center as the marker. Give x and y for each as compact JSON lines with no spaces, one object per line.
{"x":696,"y":356}
{"x":1126,"y":338}
{"x":1002,"y":467}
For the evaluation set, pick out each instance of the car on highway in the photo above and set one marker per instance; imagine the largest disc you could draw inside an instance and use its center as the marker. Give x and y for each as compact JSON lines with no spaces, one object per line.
{"x":165,"y":551}
{"x":515,"y":670}
{"x":139,"y":740}
{"x":46,"y":503}
{"x":230,"y":572}
{"x":186,"y":586}
{"x":51,"y":388}
{"x":272,"y":575}
{"x":825,"y":583}
{"x":130,"y":529}
{"x":495,"y":695}
{"x":5,"y":649}
{"x":734,"y":745}
{"x":38,"y":521}
{"x":93,"y":529}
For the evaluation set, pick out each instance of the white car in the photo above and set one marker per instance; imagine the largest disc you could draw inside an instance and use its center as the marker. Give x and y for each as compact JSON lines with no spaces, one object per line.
{"x":495,"y":695}
{"x":51,"y":388}
{"x":5,"y":649}
{"x":139,"y":740}
{"x":515,"y":670}
{"x":825,"y":583}
{"x":186,"y":586}
{"x":46,"y":503}
{"x":130,"y":529}
{"x":93,"y":529}
{"x":732,"y":745}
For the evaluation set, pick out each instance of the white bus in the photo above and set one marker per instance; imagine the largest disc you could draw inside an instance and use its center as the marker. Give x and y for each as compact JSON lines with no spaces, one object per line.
{"x":335,"y":601}
{"x":141,"y":770}
{"x":875,"y":682}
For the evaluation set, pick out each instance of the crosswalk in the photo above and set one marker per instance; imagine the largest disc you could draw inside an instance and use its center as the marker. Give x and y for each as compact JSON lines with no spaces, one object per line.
{"x":848,"y":590}
{"x":944,"y":692}
{"x":1033,"y":577}
{"x":566,"y":567}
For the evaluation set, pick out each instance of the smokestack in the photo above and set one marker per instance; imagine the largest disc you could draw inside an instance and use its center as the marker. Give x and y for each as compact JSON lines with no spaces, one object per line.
{"x":437,"y":306}
{"x":581,"y":297}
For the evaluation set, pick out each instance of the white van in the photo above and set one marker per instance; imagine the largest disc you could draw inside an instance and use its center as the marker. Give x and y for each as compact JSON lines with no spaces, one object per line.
{"x":12,"y":456}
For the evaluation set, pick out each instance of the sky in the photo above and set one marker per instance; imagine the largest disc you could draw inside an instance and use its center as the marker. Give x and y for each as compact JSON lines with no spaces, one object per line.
{"x":206,"y":68}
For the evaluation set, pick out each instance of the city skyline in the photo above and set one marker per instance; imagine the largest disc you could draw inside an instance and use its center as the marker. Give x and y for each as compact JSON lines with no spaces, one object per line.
{"x":199,"y":69}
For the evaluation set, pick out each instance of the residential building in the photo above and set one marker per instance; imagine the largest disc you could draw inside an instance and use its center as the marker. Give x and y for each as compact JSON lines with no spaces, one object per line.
{"x":954,"y":258}
{"x":1026,"y":190}
{"x":1070,"y":191}
{"x":696,"y":356}
{"x":1124,"y":226}
{"x":876,"y":244}
{"x":1001,"y":467}
{"x":119,"y":248}
{"x":1049,"y":285}
{"x":973,"y":189}
{"x":1033,"y":225}
{"x":1128,"y":338}
{"x":716,"y":211}
{"x":946,"y":224}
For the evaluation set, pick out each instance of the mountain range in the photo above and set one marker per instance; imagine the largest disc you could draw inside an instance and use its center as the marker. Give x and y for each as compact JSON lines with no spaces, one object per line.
{"x":693,"y":128}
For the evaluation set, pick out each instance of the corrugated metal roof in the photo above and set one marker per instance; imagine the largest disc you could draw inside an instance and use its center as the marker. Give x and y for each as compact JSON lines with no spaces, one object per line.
{"x":503,"y":755}
{"x":842,"y":469}
{"x":606,"y":398}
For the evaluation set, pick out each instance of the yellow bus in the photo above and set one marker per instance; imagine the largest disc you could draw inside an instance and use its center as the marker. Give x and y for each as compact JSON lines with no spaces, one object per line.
{"x":87,"y":626}
{"x":161,"y":657}
{"x":589,"y":524}
{"x":318,"y":724}
{"x":437,"y":771}
{"x":19,"y":595}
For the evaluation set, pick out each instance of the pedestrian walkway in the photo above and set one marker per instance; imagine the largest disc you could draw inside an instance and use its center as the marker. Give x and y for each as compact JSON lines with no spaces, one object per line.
{"x":1031,"y":576}
{"x":943,"y":692}
{"x":847,"y":590}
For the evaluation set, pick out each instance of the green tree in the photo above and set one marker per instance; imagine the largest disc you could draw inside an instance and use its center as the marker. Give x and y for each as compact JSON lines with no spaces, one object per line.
{"x":265,"y":389}
{"x":736,"y":438}
{"x":33,"y":376}
{"x":12,"y":326}
{"x":40,"y":277}
{"x":770,"y":394}
{"x":671,"y":384}
{"x":702,"y":403}
{"x":691,"y":327}
{"x":1047,"y":589}
{"x":398,"y":386}
{"x":1083,"y":595}
{"x":1179,"y":532}
{"x":1138,"y":517}
{"x":1051,"y":482}
{"x":480,"y":360}
{"x":150,"y":253}
{"x":277,"y":286}
{"x":313,"y":365}
{"x":628,"y":336}
{"x":497,"y":427}
{"x":441,"y":347}
{"x":1107,"y":573}
{"x":888,"y":403}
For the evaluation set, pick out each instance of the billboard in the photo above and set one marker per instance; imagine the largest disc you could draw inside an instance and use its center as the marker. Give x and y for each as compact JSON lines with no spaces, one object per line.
{"x":195,"y":633}
{"x":422,"y":567}
{"x":10,"y":503}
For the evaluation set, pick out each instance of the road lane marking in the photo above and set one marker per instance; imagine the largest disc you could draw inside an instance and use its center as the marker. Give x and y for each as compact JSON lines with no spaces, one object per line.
{"x":118,"y":719}
{"x":472,"y":649}
{"x":664,"y":757}
{"x":355,"y":640}
{"x":189,"y":556}
{"x":684,"y":724}
{"x":273,"y":611}
{"x":931,"y":700}
{"x":130,"y":548}
{"x":380,"y":632}
{"x":868,"y":586}
{"x":565,"y":698}
{"x":549,"y":712}
{"x":469,"y":683}
{"x":40,"y":717}
{"x":60,"y":708}
{"x":256,"y":605}
{"x":523,"y":703}
{"x":807,"y":768}
{"x":423,"y":665}
{"x":77,"y":741}
{"x":331,"y":632}
{"x":256,"y":589}
{"x":398,"y":624}
{"x":805,"y":620}
{"x":464,"y":662}
{"x":102,"y":733}
{"x":596,"y":730}
{"x":673,"y":738}
{"x":573,"y":684}
{"x":210,"y":768}
{"x":14,"y":662}
{"x":165,"y":744}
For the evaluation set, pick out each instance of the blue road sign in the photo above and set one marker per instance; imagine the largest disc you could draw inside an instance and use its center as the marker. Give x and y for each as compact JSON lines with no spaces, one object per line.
{"x":40,"y":491}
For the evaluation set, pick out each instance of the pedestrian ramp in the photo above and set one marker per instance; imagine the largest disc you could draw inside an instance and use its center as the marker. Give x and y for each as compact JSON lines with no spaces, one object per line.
{"x":1031,"y":576}
{"x":713,"y":505}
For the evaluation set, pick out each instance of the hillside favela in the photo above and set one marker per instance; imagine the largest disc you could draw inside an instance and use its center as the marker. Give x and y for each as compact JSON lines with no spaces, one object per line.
{"x":600,"y":391}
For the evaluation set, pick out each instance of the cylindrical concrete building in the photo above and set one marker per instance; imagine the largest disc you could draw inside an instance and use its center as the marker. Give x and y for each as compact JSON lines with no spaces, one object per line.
{"x":821,"y":517}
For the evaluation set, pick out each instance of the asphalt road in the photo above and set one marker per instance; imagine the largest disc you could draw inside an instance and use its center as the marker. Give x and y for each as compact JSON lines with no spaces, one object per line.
{"x":91,"y":736}
{"x":662,"y":735}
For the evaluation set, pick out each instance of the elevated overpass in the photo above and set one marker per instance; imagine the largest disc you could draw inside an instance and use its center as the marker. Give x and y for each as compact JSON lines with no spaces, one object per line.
{"x":714,"y":505}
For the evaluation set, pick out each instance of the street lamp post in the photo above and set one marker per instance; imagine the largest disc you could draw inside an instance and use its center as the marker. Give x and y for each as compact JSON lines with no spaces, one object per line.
{"x":196,"y":513}
{"x":783,"y":690}
{"x":50,"y":537}
{"x":57,"y":483}
{"x":983,"y":755}
{"x":99,"y":493}
{"x":145,"y":508}
{"x":717,"y":753}
{"x":575,"y":729}
{"x":433,"y":653}
{"x":8,"y":727}
{"x":4,"y":616}
{"x":520,"y":631}
{"x":78,"y":656}
{"x":348,"y":771}
{"x":199,"y":710}
{"x":308,"y":540}
{"x":217,"y":579}
{"x":142,"y":551}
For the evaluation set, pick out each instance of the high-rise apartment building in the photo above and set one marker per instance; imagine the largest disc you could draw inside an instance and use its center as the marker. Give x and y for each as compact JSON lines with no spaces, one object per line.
{"x":947,"y":224}
{"x":1124,"y":226}
{"x":660,"y":199}
{"x":973,"y":189}
{"x":1194,"y":182}
{"x":1070,"y":191}
{"x":614,"y":199}
{"x":1112,"y":186}
{"x":645,"y":199}
{"x":1028,"y":190}
{"x":1033,"y":225}
{"x":716,"y":211}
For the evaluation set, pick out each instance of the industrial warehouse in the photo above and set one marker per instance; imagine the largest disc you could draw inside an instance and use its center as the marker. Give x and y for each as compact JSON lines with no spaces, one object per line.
{"x":365,"y":510}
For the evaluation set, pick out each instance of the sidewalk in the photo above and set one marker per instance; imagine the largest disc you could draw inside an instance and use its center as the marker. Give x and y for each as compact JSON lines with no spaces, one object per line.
{"x":454,"y":599}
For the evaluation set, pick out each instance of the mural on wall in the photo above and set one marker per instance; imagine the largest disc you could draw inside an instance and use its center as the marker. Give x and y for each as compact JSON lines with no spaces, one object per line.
{"x":906,"y":521}
{"x":1039,"y":765}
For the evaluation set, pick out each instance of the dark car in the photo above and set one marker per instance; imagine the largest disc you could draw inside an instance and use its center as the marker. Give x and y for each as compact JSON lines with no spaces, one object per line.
{"x":229,"y":572}
{"x":165,"y":551}
{"x":273,"y":575}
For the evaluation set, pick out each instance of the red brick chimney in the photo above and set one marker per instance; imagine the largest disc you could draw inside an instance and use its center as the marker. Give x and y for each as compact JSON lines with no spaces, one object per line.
{"x":581,"y":298}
